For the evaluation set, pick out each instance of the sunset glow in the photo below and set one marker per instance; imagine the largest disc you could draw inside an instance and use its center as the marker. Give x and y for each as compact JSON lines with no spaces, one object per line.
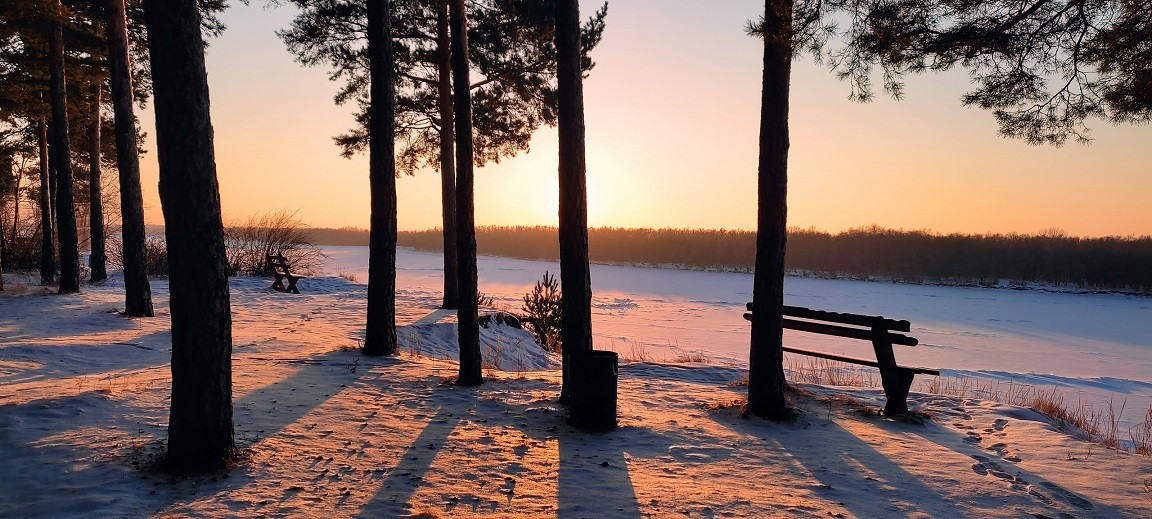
{"x":672,"y":111}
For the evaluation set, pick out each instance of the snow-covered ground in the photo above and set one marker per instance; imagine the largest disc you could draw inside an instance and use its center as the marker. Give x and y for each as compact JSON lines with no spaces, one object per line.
{"x":329,"y":433}
{"x":1092,"y":348}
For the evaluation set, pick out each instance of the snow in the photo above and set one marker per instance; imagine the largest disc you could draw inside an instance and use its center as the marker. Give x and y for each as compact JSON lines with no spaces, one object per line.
{"x":327,"y":432}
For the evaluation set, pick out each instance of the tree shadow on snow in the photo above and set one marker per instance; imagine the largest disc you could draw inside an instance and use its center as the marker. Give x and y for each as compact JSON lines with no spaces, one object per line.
{"x":846,"y":469}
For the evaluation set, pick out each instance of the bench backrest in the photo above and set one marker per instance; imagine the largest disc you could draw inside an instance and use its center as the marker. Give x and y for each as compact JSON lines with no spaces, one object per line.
{"x":865,"y":327}
{"x":278,"y":263}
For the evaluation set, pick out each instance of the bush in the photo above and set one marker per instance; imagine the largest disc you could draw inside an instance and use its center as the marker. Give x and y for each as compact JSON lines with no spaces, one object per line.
{"x":279,"y":233}
{"x":542,"y":312}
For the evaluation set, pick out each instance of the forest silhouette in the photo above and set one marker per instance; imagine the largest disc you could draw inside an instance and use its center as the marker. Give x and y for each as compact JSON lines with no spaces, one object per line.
{"x":1113,"y":263}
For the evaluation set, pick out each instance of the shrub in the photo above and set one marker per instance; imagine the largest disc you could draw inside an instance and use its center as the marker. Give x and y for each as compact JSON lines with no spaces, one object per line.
{"x":542,"y":312}
{"x":279,"y":232}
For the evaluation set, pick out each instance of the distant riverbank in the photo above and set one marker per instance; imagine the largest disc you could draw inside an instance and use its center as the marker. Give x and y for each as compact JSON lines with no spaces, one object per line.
{"x":1050,"y":261}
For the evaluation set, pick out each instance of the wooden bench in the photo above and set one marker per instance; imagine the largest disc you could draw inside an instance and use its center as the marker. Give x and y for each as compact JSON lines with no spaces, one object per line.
{"x":897,"y":380}
{"x":279,"y":267}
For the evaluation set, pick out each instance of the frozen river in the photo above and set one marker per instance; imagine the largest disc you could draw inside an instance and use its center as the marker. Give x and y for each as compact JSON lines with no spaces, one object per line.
{"x":1094,"y":347}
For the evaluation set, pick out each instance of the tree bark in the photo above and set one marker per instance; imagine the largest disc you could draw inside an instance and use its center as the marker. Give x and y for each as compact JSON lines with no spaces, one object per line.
{"x":447,"y":155}
{"x":137,"y":290}
{"x":62,"y":164}
{"x":97,"y":260}
{"x":19,"y":177}
{"x":575,"y":281}
{"x":380,"y":333}
{"x":200,"y":428}
{"x":466,"y":313}
{"x":47,"y":244}
{"x":766,"y":358}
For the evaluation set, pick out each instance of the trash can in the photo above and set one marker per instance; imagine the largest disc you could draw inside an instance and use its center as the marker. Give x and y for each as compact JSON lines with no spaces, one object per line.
{"x":592,"y":403}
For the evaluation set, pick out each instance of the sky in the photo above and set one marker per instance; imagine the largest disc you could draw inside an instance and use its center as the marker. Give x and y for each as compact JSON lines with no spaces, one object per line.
{"x":672,"y":117}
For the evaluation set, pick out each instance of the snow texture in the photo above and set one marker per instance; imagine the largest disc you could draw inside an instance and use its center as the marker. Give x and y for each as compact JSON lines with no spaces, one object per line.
{"x":327,"y":432}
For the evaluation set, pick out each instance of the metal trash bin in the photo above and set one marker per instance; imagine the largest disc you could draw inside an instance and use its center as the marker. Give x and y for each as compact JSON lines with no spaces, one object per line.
{"x":592,"y":403}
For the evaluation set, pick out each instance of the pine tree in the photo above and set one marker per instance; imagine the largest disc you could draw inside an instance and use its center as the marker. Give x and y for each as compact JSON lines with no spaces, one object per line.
{"x":200,"y":427}
{"x":468,"y":329}
{"x":137,"y":290}
{"x":575,"y":281}
{"x":380,"y":334}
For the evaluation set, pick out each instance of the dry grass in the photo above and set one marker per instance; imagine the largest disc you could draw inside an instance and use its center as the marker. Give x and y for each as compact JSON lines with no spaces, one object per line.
{"x":690,"y":358}
{"x":1141,"y":437}
{"x":1100,"y":424}
{"x":829,"y":373}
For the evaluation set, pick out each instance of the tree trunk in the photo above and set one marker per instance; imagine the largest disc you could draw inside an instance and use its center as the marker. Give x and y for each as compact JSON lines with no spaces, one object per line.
{"x":380,"y":333}
{"x":575,"y":282}
{"x":466,"y":318}
{"x":200,"y":429}
{"x":766,"y":358}
{"x":47,"y":245}
{"x":19,"y":177}
{"x":4,"y":241}
{"x":137,"y":291}
{"x":447,"y":155}
{"x":62,"y":164}
{"x":97,"y":261}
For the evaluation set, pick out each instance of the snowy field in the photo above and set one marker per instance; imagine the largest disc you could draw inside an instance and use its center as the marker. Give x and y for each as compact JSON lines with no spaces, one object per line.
{"x":1093,"y":348}
{"x":326,"y":432}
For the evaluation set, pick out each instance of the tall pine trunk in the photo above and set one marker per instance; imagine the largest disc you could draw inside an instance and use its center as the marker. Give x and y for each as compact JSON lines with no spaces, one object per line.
{"x":447,"y":154}
{"x":200,"y":429}
{"x":62,"y":164}
{"x":19,"y":177}
{"x":575,"y":282}
{"x":466,"y":318}
{"x":766,"y":358}
{"x":137,"y":290}
{"x":47,"y":245}
{"x":97,"y":260}
{"x":380,"y":334}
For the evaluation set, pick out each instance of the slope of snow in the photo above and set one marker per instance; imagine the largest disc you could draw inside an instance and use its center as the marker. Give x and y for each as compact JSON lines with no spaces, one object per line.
{"x":327,"y":432}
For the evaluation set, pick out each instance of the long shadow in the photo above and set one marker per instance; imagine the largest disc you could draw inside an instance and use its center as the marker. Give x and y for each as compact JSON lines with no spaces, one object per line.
{"x":593,"y":478}
{"x":408,"y":474}
{"x":72,"y":360}
{"x":855,"y":474}
{"x":59,"y":476}
{"x":69,"y":312}
{"x":265,"y":411}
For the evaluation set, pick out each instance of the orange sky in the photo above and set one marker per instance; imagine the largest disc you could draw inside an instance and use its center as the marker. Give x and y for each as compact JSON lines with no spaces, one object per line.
{"x":672,"y":112}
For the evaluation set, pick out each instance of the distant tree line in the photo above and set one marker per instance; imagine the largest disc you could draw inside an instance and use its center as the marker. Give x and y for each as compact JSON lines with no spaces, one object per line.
{"x":911,"y":256}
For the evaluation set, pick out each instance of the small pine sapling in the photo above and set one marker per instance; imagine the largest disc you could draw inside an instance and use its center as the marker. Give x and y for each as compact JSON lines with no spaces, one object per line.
{"x":542,"y":312}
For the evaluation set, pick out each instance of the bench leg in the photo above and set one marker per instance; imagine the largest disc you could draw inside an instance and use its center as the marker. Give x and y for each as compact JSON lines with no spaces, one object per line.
{"x":897,"y":382}
{"x":897,"y":392}
{"x":278,"y":284}
{"x":292,"y":285}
